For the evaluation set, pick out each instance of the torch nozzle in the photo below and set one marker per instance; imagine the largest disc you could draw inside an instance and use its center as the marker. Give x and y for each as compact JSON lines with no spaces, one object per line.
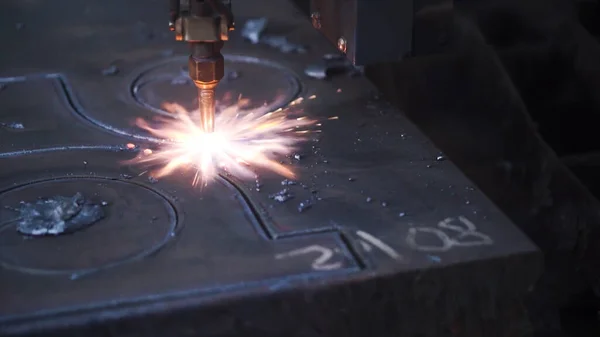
{"x":206,"y":102}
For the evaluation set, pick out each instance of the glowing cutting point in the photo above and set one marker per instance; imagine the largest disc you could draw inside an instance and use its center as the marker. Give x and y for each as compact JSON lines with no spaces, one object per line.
{"x":242,"y":140}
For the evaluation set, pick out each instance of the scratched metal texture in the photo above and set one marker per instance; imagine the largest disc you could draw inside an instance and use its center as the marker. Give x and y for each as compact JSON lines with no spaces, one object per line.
{"x":170,"y":260}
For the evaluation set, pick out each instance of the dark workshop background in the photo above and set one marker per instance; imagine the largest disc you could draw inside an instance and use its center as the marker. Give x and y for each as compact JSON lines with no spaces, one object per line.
{"x":518,"y":82}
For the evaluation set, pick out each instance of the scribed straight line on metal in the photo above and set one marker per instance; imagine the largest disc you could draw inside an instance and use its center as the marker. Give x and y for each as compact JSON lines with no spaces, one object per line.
{"x":115,"y":148}
{"x":73,"y":103}
{"x":149,"y":300}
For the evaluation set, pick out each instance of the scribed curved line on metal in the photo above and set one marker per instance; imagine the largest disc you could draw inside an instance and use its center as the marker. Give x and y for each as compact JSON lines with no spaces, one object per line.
{"x":292,"y":79}
{"x":174,"y":225}
{"x":258,"y":216}
{"x":78,"y":110}
{"x":255,"y":214}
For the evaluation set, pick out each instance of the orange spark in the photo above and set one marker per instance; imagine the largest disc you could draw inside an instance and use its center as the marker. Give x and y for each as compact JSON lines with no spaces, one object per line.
{"x":242,"y":140}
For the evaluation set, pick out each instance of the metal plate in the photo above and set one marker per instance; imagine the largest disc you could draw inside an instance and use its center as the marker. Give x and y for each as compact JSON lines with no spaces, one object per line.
{"x":337,"y":268}
{"x":216,"y":242}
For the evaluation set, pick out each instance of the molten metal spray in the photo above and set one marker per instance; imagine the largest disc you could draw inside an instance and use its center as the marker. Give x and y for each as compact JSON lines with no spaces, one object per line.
{"x":241,"y":141}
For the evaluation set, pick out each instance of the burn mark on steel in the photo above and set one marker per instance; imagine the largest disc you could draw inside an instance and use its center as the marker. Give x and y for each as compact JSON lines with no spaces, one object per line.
{"x":52,"y":211}
{"x":57,"y":215}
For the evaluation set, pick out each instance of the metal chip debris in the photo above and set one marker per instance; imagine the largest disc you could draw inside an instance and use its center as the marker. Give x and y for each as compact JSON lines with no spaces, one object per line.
{"x":253,"y":31}
{"x":110,"y":71}
{"x":257,"y":185}
{"x":282,"y":44}
{"x":13,"y":126}
{"x":287,"y":182}
{"x":282,"y":196}
{"x":316,"y":71}
{"x":304,"y":206}
{"x":233,"y":75}
{"x":57,"y":215}
{"x":181,"y":80}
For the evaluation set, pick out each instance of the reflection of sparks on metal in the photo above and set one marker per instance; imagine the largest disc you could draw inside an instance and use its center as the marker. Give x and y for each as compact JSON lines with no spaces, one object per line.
{"x":242,"y":139}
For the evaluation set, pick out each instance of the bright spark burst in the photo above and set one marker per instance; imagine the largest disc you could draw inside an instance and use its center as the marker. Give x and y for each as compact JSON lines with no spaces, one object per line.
{"x":242,"y":140}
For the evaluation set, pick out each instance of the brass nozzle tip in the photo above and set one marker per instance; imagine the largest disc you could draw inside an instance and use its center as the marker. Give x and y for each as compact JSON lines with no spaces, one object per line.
{"x":206,"y":85}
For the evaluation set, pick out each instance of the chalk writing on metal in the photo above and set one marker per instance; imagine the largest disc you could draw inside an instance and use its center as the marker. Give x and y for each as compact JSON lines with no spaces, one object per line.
{"x":462,"y":233}
{"x":320,"y":263}
{"x":368,"y":238}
